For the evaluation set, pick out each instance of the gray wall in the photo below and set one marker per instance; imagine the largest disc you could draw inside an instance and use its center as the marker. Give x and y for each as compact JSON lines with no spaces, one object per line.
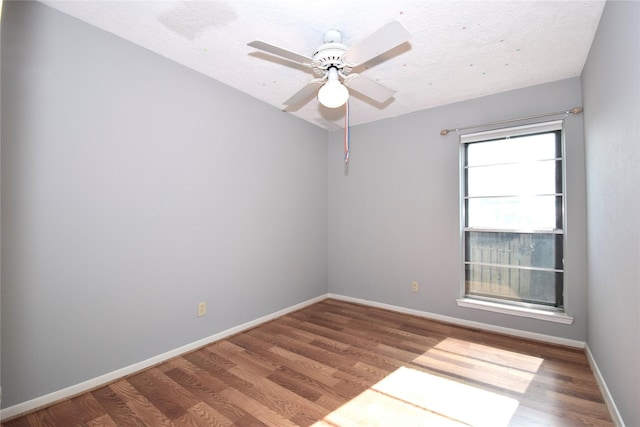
{"x":132,"y":189}
{"x":395,"y":217}
{"x":611,"y":90}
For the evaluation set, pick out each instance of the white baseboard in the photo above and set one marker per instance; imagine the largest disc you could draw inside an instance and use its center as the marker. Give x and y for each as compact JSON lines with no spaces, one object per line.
{"x":93,"y":383}
{"x":468,"y":323}
{"x":608,"y":399}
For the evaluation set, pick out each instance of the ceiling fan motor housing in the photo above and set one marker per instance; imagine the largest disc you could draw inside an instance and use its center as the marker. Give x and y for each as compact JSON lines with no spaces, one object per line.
{"x":329,"y":55}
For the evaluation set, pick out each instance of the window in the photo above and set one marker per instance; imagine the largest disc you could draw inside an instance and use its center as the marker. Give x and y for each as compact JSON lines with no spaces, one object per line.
{"x":513,"y":219}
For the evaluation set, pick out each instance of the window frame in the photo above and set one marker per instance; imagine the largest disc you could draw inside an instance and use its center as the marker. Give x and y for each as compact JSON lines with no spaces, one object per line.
{"x":527,"y":309}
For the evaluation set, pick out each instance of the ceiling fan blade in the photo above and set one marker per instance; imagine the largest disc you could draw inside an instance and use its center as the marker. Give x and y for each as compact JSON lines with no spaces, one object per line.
{"x":293,"y":56}
{"x":386,"y":38}
{"x":305,"y":92}
{"x":369,"y":88}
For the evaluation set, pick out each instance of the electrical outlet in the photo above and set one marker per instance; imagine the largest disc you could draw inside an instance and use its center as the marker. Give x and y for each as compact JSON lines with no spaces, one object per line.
{"x":415,"y":287}
{"x":202,"y":309}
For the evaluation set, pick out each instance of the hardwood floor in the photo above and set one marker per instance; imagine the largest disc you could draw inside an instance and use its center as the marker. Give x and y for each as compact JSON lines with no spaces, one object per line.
{"x":341,"y":364}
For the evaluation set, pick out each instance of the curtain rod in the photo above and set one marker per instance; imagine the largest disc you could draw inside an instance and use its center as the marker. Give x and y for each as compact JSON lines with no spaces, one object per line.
{"x":575,"y":110}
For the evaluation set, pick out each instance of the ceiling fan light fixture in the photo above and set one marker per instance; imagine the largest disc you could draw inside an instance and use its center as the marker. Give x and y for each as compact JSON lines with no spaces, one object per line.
{"x":333,"y":94}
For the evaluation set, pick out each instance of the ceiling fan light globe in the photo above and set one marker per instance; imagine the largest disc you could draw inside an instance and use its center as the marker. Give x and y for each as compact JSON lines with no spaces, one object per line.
{"x":333,"y":94}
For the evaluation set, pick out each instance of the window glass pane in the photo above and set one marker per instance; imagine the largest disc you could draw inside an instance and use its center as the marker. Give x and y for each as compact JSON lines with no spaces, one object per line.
{"x":517,"y":179}
{"x":530,"y":286}
{"x":512,"y":213}
{"x":514,"y":217}
{"x":515,"y":249}
{"x":511,"y":150}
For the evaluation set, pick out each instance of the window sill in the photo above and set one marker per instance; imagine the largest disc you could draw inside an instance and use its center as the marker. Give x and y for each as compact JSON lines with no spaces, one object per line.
{"x":548,"y":316}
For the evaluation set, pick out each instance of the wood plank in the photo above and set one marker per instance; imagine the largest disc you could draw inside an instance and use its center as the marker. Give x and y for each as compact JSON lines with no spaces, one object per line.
{"x":265,"y":414}
{"x":208,"y":416}
{"x":116,"y":408}
{"x":89,"y":406}
{"x":69,"y":413}
{"x":103,"y":421}
{"x":194,"y":382}
{"x":146,"y":411}
{"x":171,"y":399}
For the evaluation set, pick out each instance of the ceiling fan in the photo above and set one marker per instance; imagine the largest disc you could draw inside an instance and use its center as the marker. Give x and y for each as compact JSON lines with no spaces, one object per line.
{"x":334,"y":61}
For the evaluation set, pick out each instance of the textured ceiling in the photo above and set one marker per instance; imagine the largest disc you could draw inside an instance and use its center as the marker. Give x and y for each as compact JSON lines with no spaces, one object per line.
{"x":459,"y":49}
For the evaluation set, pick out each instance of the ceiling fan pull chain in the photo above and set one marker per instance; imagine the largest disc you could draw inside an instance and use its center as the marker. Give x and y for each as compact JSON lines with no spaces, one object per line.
{"x":347,"y":133}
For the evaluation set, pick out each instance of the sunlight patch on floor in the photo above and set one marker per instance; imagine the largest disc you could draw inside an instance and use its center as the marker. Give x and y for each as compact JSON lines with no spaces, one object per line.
{"x":409,"y":397}
{"x":493,"y":355}
{"x":476,"y":362}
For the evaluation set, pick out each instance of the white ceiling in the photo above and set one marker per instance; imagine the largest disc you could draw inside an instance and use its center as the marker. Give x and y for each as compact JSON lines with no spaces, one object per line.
{"x":459,"y":50}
